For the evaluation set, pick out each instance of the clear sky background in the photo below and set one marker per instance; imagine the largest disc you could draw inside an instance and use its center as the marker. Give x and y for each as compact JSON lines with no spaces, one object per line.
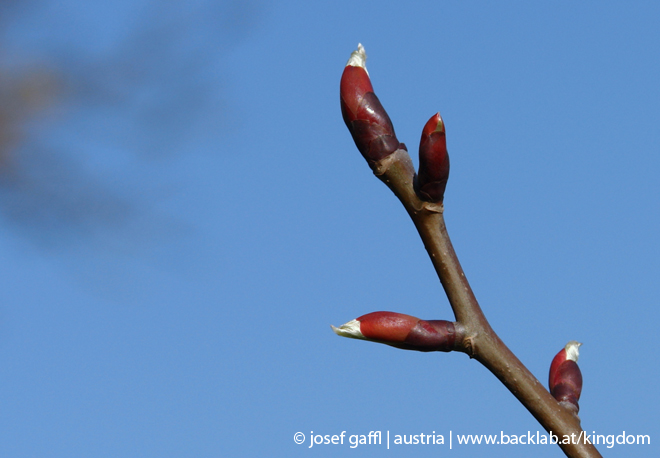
{"x":183,"y":214}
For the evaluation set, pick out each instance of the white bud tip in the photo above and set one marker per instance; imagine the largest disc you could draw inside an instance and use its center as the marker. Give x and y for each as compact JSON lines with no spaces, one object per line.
{"x":572,"y":350}
{"x":350,"y":329}
{"x":358,"y":58}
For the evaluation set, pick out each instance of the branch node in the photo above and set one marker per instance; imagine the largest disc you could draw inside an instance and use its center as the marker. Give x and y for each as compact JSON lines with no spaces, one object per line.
{"x":382,"y":166}
{"x":433,"y":207}
{"x":468,"y":347}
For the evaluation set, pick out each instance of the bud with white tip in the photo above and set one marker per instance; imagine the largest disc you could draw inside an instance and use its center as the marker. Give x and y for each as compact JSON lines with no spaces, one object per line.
{"x":401,"y":331}
{"x":565,"y":380}
{"x":365,"y":117}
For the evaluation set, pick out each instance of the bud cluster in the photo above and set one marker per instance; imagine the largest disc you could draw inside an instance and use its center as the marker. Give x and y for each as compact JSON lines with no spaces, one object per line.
{"x":373,"y":132}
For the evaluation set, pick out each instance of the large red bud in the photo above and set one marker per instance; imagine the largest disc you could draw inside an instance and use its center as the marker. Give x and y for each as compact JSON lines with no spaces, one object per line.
{"x":364,"y":115}
{"x":433,"y":161}
{"x":401,"y":331}
{"x":565,"y":378}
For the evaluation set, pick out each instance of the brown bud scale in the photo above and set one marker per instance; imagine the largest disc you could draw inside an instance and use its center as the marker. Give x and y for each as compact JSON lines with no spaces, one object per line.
{"x":408,"y":332}
{"x":433,"y":161}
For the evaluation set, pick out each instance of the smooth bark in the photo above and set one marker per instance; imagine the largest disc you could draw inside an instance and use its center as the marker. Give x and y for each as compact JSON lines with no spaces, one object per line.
{"x":479,"y":340}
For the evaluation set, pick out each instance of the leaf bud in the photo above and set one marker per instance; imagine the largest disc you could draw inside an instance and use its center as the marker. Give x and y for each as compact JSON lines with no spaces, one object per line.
{"x":365,"y":117}
{"x":401,"y":331}
{"x":433,"y":161}
{"x":565,"y":380}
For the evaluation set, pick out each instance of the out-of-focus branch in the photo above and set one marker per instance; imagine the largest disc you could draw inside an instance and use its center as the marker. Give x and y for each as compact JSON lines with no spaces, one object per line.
{"x":22,"y":96}
{"x":150,"y":90}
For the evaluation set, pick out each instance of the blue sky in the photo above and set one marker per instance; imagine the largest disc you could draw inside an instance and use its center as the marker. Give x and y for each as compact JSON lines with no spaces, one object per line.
{"x":180,"y":226}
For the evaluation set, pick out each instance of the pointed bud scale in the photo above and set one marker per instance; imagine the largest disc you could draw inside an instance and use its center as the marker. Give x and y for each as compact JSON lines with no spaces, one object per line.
{"x":363,"y":113}
{"x":433,"y":161}
{"x":565,"y":380}
{"x":401,"y":331}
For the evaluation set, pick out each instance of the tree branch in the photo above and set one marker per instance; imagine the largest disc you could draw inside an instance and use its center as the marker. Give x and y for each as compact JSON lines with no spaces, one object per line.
{"x":422,"y":196}
{"x":479,"y":340}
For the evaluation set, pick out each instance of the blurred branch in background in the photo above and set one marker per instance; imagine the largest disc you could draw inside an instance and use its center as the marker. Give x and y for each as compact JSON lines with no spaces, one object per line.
{"x":22,"y":96}
{"x":90,"y":97}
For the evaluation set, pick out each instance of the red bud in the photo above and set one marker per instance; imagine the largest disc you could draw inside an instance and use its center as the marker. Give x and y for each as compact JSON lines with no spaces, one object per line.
{"x":433,"y":161}
{"x":565,"y":380}
{"x":363,"y":113}
{"x":401,"y":331}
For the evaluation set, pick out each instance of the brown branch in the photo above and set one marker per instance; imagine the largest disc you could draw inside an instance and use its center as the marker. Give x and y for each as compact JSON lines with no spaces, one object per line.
{"x":480,"y":341}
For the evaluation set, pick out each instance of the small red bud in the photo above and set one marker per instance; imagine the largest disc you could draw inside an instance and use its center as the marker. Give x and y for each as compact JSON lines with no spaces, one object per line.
{"x":401,"y":331}
{"x":433,"y":161}
{"x":565,"y":380}
{"x":363,"y":113}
